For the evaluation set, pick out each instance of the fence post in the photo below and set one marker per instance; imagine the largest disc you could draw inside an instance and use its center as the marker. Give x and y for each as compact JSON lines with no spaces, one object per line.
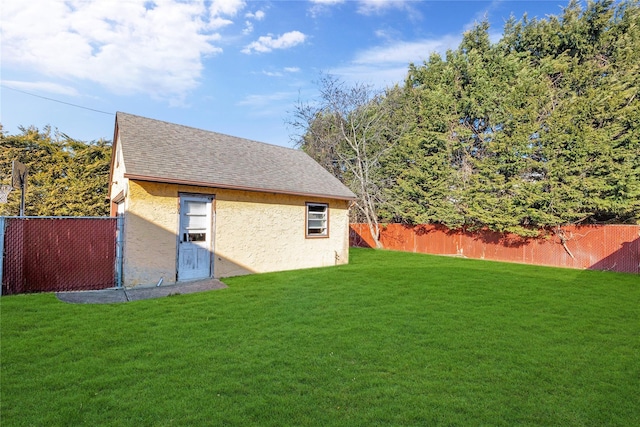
{"x":1,"y":250}
{"x":119,"y":249}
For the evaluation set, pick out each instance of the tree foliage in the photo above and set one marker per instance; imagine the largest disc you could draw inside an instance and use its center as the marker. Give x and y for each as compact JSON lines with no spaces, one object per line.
{"x":537,"y":130}
{"x":66,"y":177}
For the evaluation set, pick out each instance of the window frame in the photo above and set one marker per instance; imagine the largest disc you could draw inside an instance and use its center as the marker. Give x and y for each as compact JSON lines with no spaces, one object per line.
{"x":308,"y":235}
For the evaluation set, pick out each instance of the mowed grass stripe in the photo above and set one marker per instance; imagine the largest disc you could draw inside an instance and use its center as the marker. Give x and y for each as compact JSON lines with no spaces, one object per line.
{"x":390,"y":339}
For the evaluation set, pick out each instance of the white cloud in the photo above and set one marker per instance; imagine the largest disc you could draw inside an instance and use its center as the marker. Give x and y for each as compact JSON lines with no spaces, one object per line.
{"x":225,"y":7}
{"x":379,"y":77}
{"x":365,"y":7}
{"x":406,"y":52}
{"x":248,"y":25}
{"x":327,"y":2}
{"x":383,"y":34}
{"x":387,"y":65}
{"x":272,"y":73}
{"x":268,"y":101}
{"x":321,"y":6}
{"x":368,"y":7}
{"x":258,"y":15}
{"x":271,"y":106}
{"x":281,"y":73}
{"x":49,"y":87}
{"x":268,"y":43}
{"x":134,"y":46}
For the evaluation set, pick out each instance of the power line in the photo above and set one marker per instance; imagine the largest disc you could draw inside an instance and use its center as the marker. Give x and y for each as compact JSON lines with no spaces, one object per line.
{"x":56,"y":100}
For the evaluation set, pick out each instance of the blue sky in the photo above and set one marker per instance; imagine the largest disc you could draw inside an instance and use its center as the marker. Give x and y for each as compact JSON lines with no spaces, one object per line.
{"x":230,"y":66}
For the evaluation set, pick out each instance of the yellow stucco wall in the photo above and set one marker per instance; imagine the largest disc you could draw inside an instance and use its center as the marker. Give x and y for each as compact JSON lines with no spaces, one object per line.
{"x":260,"y":232}
{"x":252,"y":232}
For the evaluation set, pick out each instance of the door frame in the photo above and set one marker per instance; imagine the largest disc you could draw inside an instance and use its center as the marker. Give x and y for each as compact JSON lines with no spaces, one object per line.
{"x":211,"y":199}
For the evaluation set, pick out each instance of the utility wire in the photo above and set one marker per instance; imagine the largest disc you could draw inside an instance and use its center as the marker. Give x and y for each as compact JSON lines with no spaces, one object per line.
{"x":56,"y":100}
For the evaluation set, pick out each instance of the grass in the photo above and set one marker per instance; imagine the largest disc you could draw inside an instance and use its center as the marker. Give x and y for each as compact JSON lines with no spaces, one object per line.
{"x":391,"y":339}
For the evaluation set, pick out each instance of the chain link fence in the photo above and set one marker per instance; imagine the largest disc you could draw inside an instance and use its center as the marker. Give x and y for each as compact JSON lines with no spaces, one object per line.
{"x":52,"y":254}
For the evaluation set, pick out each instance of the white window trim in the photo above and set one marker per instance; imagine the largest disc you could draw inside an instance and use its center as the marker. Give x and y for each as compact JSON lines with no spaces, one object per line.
{"x":324,"y":234}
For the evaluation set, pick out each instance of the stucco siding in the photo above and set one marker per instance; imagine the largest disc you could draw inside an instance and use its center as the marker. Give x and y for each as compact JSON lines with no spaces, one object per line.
{"x":261,"y":232}
{"x":252,"y":232}
{"x":150,"y":230}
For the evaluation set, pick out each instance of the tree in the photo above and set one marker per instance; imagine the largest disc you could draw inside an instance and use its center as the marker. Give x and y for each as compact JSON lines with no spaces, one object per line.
{"x":466,"y":157}
{"x":589,"y":134}
{"x":66,"y":177}
{"x":419,"y":166}
{"x":538,"y":130}
{"x":349,"y":130}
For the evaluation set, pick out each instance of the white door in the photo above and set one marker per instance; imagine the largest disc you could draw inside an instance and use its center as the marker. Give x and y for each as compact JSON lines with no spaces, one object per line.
{"x":194,"y":241}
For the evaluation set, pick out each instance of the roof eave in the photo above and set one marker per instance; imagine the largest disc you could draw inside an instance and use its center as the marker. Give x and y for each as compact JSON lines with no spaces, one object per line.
{"x":233,"y":187}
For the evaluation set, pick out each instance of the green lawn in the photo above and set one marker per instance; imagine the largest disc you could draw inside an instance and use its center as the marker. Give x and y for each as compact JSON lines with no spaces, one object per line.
{"x":391,"y":339}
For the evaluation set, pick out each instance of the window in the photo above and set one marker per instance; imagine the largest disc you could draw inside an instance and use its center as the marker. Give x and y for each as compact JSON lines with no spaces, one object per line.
{"x":317,"y":220}
{"x":195,"y":221}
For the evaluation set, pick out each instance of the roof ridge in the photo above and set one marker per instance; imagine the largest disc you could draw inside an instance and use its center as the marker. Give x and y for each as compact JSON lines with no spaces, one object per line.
{"x":210,"y":131}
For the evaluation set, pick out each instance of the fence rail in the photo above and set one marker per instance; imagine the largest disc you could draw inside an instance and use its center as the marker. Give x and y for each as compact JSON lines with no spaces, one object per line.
{"x":597,"y":247}
{"x":46,"y":254}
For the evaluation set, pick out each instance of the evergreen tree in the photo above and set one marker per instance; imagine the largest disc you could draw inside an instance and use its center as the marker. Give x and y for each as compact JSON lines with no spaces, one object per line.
{"x":65,"y":177}
{"x":538,"y":130}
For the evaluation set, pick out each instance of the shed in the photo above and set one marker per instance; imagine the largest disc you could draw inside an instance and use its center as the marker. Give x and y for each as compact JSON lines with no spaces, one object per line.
{"x":198,"y":204}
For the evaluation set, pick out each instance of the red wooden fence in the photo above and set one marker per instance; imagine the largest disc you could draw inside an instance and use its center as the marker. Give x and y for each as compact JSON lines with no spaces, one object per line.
{"x":58,"y":254}
{"x":597,"y":247}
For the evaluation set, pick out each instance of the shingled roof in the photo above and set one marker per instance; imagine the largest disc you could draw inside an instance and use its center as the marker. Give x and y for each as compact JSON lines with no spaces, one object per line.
{"x":159,"y":151}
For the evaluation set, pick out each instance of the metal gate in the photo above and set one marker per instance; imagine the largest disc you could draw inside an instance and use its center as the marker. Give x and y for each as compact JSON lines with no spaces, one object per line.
{"x":50,"y":254}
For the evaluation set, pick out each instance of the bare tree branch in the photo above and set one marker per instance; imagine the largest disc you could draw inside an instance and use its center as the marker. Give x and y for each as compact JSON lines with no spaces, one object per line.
{"x":348,"y":131}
